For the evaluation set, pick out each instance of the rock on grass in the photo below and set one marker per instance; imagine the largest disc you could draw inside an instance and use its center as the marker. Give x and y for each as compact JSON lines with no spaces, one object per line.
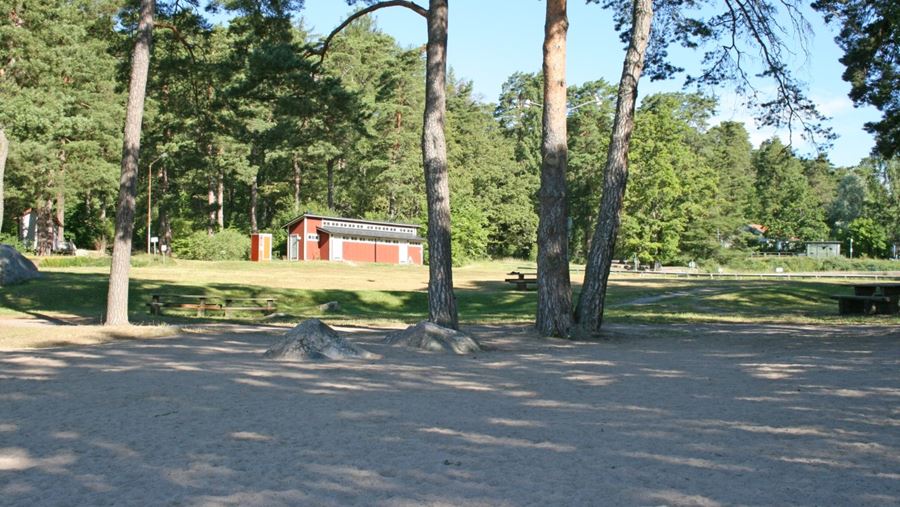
{"x":313,"y":340}
{"x":14,"y":267}
{"x":430,"y":336}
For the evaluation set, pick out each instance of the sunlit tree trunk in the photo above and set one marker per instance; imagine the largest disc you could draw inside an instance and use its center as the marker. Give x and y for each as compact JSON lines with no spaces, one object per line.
{"x":554,"y":313}
{"x":441,"y":300}
{"x":210,"y":205}
{"x":295,"y":159}
{"x":220,"y":200}
{"x":4,"y":151}
{"x":589,"y":314}
{"x":117,"y":298}
{"x":254,"y":203}
{"x":44,"y":228}
{"x":330,"y":177}
{"x":60,"y":221}
{"x":165,"y":225}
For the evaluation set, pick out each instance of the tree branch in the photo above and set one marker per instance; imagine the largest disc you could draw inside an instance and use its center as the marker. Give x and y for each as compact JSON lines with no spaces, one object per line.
{"x":418,"y":9}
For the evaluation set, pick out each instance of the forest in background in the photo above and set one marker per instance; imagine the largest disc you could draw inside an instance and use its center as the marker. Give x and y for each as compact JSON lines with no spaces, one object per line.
{"x":245,"y":130}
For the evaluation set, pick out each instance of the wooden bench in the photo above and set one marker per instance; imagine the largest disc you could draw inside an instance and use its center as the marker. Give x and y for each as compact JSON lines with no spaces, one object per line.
{"x":523,"y":280}
{"x":867,"y":305}
{"x":250,"y":305}
{"x":203,"y":303}
{"x":870,"y":298}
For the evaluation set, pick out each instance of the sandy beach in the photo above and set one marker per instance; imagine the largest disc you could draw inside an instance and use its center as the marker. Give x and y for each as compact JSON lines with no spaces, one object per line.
{"x":676,"y":415}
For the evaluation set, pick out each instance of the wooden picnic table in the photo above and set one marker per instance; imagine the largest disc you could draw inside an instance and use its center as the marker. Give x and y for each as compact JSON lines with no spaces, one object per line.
{"x":522,"y":279}
{"x":870,"y":298}
{"x":203,"y":302}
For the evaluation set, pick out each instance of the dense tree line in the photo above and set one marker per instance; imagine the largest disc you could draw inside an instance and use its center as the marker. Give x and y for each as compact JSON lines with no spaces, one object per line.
{"x":246,"y":129}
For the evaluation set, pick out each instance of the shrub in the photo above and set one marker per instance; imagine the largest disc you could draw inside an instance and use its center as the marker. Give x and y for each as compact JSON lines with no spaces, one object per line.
{"x":225,"y":245}
{"x":69,"y":261}
{"x":9,"y":239}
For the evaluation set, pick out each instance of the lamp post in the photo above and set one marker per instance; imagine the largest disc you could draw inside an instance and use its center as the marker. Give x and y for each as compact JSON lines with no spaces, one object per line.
{"x":150,"y":194}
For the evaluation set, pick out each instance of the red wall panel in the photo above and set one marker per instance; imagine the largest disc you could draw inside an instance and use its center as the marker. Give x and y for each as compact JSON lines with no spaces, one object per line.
{"x":415,"y":252}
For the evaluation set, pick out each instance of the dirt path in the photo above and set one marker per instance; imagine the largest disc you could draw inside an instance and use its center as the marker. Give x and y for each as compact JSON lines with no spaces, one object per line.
{"x":654,"y":415}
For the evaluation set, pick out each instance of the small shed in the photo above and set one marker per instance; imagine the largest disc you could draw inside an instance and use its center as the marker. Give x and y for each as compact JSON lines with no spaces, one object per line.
{"x":823,"y":249}
{"x":260,"y":247}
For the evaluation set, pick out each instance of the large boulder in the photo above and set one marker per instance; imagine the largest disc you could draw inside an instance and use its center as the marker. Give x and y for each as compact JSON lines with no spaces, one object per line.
{"x":432,"y":337}
{"x":313,"y":340}
{"x":14,"y":267}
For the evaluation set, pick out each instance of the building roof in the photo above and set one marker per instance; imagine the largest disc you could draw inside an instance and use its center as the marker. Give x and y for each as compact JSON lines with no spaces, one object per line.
{"x":757,"y":228}
{"x":355,"y":220}
{"x":365,"y":233}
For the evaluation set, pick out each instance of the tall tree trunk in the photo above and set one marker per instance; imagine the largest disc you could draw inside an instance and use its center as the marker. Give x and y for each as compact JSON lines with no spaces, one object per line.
{"x":4,"y":151}
{"x":165,"y":225}
{"x":220,"y":199}
{"x":296,"y":163}
{"x":117,"y":298}
{"x":210,"y":205}
{"x":330,"y":170}
{"x":441,"y":300}
{"x":554,"y":312}
{"x":60,"y":221}
{"x":254,"y":198}
{"x":589,"y":314}
{"x":44,"y":229}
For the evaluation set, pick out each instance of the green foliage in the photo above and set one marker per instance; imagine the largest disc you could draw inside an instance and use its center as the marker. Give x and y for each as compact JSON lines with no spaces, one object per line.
{"x":870,"y":38}
{"x":470,"y":233}
{"x":227,"y":244}
{"x":13,"y":241}
{"x":869,"y":238}
{"x":785,"y":202}
{"x":70,"y":261}
{"x":671,"y":188}
{"x":799,"y":264}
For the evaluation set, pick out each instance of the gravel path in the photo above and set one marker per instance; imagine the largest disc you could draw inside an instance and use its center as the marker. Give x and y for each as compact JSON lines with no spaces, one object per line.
{"x":699,"y":415}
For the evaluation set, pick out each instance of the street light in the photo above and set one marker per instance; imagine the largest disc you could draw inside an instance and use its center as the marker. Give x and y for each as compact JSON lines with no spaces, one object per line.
{"x":150,"y":194}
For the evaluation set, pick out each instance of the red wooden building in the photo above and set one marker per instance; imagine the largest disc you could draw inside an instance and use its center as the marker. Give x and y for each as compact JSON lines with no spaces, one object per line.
{"x":315,"y":237}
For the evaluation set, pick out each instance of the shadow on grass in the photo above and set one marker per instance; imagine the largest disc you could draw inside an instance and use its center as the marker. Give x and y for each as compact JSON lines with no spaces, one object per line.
{"x":83,"y":295}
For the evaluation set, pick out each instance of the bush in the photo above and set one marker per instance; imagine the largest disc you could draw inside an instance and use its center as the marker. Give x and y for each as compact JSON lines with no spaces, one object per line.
{"x":804,"y":264}
{"x":68,"y":261}
{"x":226,"y":245}
{"x":9,"y":239}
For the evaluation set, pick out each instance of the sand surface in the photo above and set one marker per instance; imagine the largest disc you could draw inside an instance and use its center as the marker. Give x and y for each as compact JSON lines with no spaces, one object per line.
{"x":699,"y":415}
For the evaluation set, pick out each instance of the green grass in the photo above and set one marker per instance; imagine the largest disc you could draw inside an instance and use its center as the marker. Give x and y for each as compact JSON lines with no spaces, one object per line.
{"x":396,"y":294}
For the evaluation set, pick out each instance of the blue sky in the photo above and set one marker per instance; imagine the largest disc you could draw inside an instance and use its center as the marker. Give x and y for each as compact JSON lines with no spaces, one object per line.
{"x":491,"y":39}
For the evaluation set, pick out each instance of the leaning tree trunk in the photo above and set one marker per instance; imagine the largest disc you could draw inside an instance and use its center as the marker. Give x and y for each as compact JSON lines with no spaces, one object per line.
{"x":117,"y":298}
{"x":554,"y":312}
{"x":4,"y":151}
{"x":441,"y":300}
{"x":589,"y":314}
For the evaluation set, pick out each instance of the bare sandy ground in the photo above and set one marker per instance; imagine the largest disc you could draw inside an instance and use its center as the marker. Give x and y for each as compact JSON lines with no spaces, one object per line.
{"x":701,"y":415}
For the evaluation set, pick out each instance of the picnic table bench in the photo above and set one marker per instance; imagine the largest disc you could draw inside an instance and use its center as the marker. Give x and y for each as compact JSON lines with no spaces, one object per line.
{"x":204,"y":303}
{"x":522,"y":280}
{"x":870,"y":298}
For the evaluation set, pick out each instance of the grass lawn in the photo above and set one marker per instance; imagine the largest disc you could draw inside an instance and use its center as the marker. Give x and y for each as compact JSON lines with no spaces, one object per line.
{"x":385,"y":294}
